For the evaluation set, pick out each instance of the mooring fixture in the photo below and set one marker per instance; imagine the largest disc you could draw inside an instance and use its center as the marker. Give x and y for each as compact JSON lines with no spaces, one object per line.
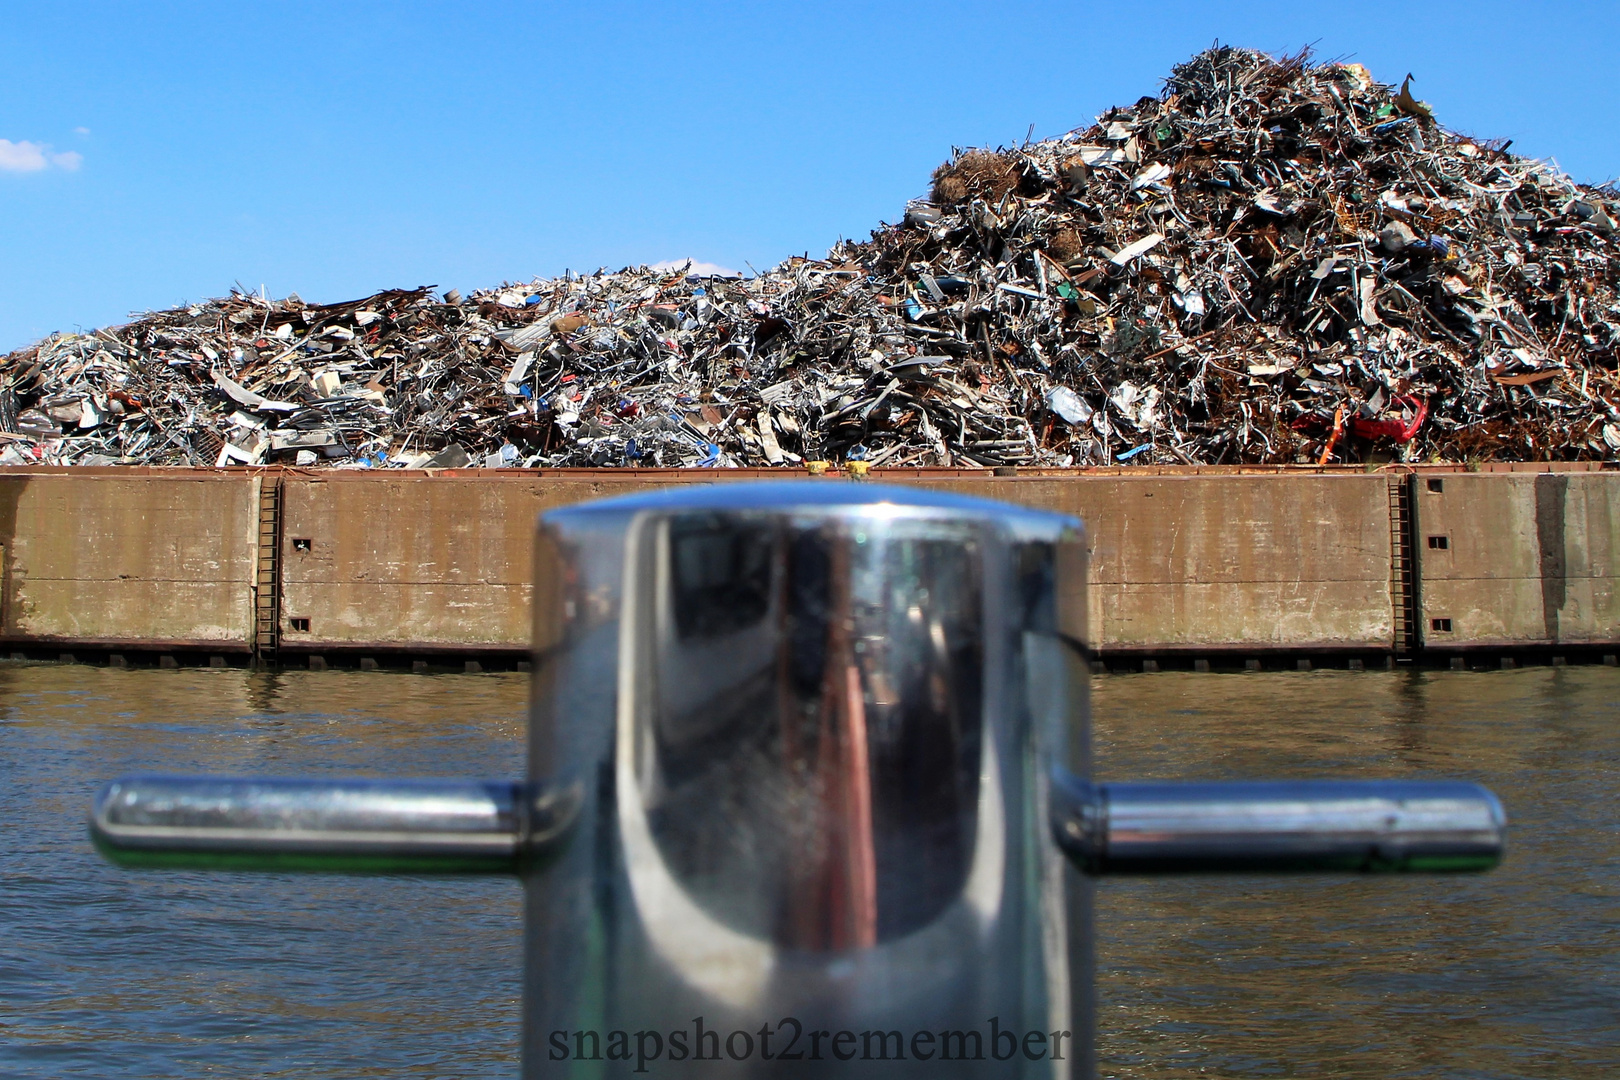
{"x":809,"y":793}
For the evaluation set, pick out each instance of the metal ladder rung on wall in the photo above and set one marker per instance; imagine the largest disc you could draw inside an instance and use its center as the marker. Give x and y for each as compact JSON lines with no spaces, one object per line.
{"x":267,"y":577}
{"x":1402,"y":565}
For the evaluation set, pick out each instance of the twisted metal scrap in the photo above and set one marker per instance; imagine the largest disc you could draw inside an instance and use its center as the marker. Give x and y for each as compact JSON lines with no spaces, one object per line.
{"x":1213,"y":275}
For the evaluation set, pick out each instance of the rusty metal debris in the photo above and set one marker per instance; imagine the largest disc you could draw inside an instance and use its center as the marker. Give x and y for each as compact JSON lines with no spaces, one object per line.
{"x":1273,"y":261}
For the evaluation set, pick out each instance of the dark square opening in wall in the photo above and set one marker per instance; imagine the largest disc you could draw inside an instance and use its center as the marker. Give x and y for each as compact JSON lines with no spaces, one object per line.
{"x":300,"y":626}
{"x":302,"y":543}
{"x":1440,"y":543}
{"x":1436,"y":484}
{"x":1442,"y":626}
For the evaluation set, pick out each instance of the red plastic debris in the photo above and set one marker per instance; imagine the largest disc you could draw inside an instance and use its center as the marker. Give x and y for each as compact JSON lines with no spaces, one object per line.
{"x":1400,"y":431}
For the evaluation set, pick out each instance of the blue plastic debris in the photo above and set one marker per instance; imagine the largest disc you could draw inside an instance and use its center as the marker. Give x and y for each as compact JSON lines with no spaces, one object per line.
{"x":1127,"y":455}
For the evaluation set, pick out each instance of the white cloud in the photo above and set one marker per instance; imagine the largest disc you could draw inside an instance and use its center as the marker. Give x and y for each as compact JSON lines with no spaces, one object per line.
{"x":28,"y":156}
{"x":81,"y":131}
{"x":22,"y":156}
{"x":694,"y":268}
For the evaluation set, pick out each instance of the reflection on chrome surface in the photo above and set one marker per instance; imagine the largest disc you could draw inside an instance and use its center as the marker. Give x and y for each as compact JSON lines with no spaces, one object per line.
{"x":816,"y":772}
{"x":799,"y":713}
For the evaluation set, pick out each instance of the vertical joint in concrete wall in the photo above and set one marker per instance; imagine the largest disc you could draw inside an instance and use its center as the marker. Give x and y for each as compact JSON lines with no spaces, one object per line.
{"x":1403,"y":583}
{"x":267,"y":577}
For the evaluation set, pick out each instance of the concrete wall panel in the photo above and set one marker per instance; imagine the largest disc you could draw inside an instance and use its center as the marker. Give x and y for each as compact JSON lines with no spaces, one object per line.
{"x":1518,"y":559}
{"x":1177,"y":561}
{"x":1291,"y":561}
{"x":137,"y":559}
{"x":413,"y":561}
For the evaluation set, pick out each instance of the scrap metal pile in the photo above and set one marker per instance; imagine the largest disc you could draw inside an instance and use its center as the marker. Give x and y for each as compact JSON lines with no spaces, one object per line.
{"x":1273,"y":261}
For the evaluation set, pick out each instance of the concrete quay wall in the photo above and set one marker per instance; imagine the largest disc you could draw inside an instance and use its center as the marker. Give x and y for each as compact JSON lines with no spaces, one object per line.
{"x":1518,"y":560}
{"x":1205,"y":560}
{"x":128,"y":558}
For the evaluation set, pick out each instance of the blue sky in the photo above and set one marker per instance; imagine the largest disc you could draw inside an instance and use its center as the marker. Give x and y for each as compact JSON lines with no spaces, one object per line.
{"x":156,"y":153}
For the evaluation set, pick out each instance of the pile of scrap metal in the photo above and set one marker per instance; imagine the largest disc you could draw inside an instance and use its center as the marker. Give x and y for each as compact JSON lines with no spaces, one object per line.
{"x":1274,"y":261}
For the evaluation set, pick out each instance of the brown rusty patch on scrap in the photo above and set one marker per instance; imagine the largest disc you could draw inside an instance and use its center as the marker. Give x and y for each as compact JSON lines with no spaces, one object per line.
{"x":978,"y":173}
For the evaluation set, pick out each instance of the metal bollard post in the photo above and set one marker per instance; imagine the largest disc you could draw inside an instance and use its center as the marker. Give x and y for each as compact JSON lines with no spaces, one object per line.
{"x":809,"y":792}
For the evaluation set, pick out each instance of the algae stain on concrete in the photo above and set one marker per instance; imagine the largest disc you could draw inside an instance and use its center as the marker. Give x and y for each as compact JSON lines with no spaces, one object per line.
{"x":11,"y":492}
{"x":1552,"y":490}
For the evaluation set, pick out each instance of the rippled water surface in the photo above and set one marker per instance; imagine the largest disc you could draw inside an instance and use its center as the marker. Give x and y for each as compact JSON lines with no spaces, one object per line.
{"x":114,"y":973}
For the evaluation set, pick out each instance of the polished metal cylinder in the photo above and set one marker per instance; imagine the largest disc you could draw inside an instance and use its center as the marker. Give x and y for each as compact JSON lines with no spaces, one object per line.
{"x":383,"y":826}
{"x":808,"y":722}
{"x":1319,"y":825}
